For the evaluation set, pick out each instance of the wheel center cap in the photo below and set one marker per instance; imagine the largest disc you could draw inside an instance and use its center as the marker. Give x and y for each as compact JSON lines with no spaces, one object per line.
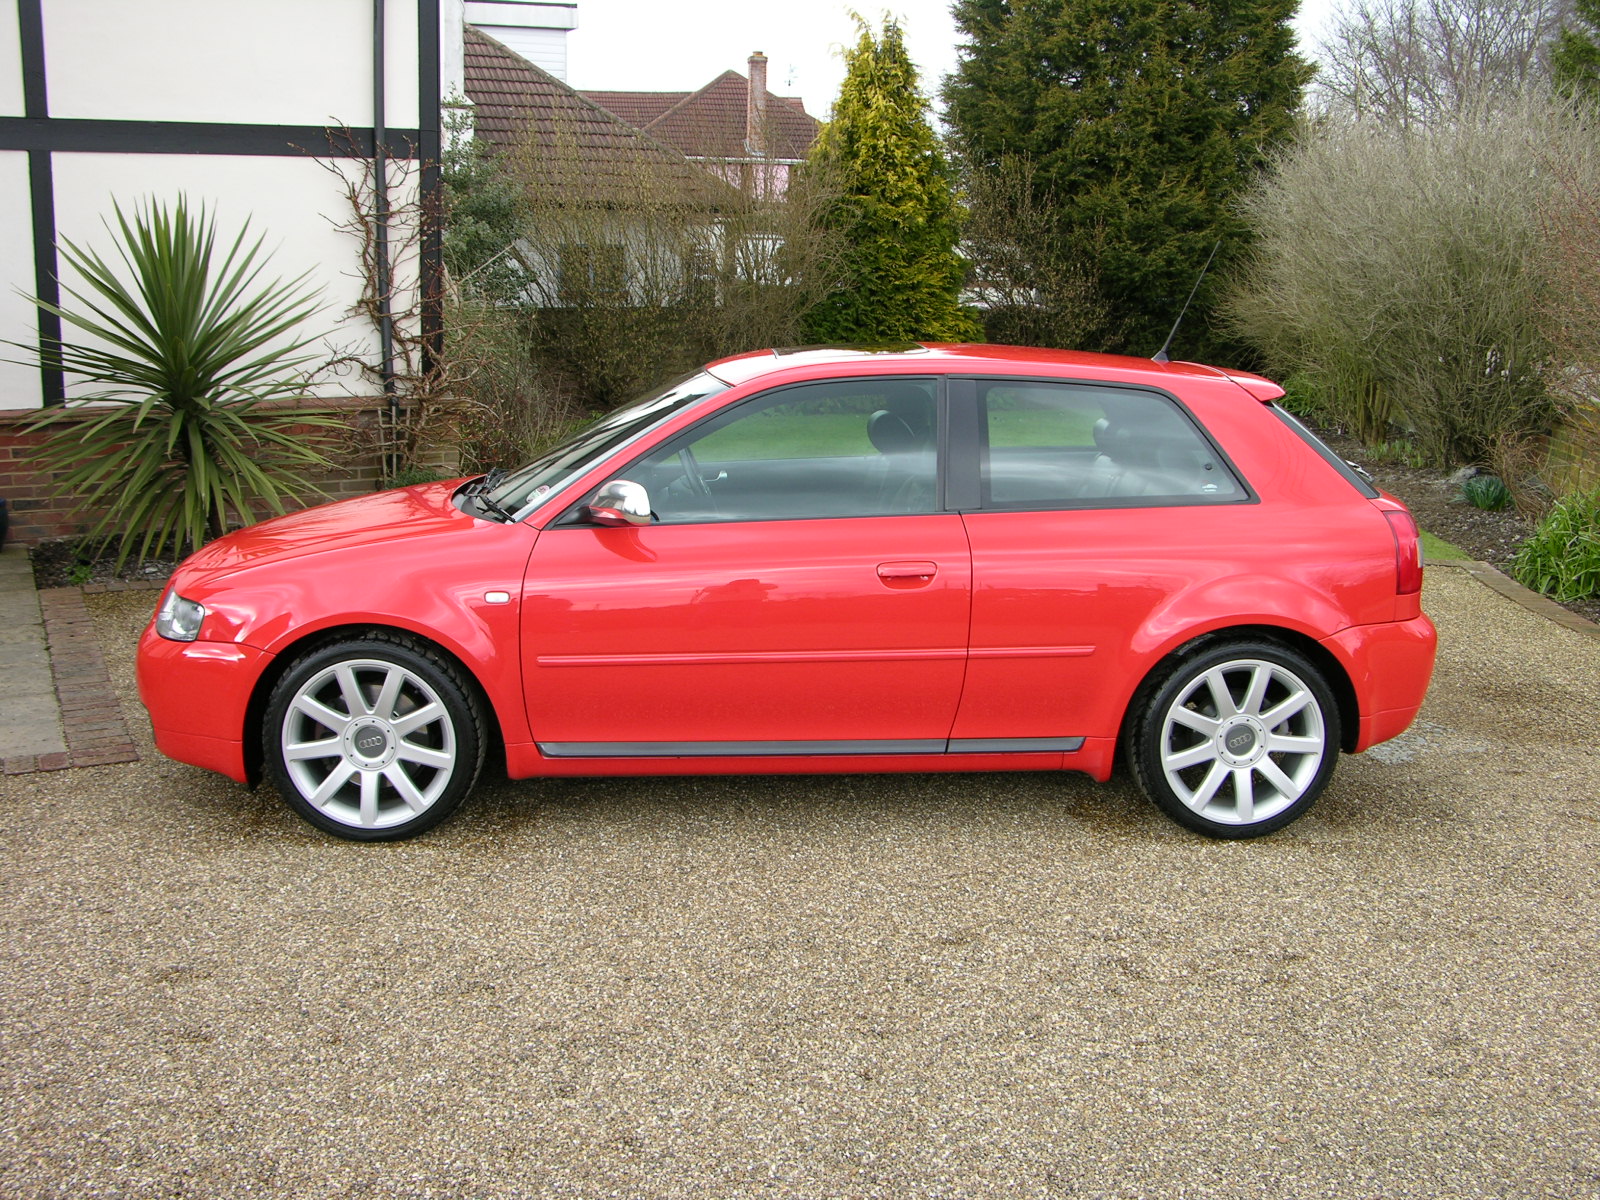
{"x":1241,"y":742}
{"x":370,"y":744}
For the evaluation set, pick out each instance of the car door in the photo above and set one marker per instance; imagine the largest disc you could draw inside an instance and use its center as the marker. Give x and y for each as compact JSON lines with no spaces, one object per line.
{"x":799,"y":591}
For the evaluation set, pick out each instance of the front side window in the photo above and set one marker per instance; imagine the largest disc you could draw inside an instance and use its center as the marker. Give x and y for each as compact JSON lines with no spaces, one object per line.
{"x":1061,"y":445}
{"x":865,"y":447}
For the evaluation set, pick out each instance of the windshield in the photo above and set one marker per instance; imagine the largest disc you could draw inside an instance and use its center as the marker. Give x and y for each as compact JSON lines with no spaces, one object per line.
{"x":523,"y":490}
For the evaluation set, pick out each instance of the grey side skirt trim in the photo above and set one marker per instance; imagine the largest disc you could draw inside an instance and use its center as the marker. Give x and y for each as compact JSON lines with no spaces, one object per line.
{"x":806,"y":749}
{"x":1014,"y":745}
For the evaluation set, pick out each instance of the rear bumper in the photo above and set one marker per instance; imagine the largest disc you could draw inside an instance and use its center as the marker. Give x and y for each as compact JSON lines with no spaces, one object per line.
{"x":198,"y":695}
{"x":1389,"y":666}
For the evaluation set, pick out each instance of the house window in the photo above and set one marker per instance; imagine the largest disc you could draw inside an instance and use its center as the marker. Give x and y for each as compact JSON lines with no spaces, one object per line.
{"x":591,"y":274}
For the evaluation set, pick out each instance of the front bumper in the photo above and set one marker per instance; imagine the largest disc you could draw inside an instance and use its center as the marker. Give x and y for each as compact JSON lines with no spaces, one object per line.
{"x":198,"y":695}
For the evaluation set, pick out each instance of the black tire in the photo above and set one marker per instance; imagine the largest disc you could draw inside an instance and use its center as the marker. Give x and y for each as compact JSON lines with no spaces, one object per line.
{"x":396,"y":766}
{"x":1235,"y":740}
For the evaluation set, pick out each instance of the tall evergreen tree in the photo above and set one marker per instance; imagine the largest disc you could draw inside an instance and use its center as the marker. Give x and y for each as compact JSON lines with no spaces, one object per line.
{"x":893,"y":205}
{"x":1144,"y":119}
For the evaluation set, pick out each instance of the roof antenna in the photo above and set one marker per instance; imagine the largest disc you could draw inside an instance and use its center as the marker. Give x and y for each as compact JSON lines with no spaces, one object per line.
{"x":1161,"y":355}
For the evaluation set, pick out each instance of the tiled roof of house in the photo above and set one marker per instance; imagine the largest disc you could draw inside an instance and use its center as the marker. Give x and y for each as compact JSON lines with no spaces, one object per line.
{"x":710,"y":123}
{"x":636,"y":108}
{"x":519,"y":106}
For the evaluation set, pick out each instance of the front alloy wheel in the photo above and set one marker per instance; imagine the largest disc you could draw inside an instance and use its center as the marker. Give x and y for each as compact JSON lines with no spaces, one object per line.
{"x":374,"y":739}
{"x":1237,"y":741}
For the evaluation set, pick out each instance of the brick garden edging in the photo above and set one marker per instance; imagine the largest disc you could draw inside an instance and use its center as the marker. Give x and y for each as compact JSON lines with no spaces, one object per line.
{"x":91,"y":717}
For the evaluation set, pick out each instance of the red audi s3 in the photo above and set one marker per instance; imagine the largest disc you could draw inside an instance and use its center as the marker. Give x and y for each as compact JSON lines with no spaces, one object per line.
{"x":940,"y":558}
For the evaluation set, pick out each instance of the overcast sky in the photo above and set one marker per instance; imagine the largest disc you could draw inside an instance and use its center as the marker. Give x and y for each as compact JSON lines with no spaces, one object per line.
{"x":656,"y":46}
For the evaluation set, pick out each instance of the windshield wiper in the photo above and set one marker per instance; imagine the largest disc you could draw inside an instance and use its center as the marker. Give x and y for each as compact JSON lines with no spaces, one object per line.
{"x":479,"y":490}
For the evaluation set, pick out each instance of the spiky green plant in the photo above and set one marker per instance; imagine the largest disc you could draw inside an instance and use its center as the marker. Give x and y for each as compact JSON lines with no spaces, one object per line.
{"x":1488,"y":492}
{"x":181,"y":364}
{"x":1562,"y":558}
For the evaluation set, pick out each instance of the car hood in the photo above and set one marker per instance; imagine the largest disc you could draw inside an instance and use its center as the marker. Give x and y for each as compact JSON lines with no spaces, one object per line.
{"x":381,"y":518}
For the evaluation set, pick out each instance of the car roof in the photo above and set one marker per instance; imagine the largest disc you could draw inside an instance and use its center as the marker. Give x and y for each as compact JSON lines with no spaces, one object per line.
{"x":911,"y":358}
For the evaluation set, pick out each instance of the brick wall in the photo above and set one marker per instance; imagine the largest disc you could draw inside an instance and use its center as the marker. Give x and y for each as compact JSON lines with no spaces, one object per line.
{"x":1574,"y":462}
{"x":38,"y":513}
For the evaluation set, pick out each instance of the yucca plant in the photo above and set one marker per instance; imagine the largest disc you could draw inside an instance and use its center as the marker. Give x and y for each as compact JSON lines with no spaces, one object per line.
{"x":185,"y":347}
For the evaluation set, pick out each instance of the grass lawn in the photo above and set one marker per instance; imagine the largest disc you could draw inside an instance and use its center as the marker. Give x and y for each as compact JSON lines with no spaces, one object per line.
{"x":1434,"y":549}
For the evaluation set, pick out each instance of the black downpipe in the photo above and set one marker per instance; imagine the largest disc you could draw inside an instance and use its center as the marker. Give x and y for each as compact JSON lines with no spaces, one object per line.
{"x":380,"y":217}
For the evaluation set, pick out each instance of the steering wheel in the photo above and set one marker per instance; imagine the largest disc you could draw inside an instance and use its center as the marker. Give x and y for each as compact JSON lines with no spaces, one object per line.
{"x":692,"y":475}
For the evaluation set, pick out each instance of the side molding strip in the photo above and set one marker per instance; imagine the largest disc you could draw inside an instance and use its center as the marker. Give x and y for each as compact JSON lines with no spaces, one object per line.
{"x":807,"y":749}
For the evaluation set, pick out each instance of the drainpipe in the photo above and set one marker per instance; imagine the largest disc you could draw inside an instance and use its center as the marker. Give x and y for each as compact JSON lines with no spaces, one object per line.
{"x":380,"y":220}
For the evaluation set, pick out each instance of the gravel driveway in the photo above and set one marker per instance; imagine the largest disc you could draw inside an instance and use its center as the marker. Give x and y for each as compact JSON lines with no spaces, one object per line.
{"x":994,"y":985}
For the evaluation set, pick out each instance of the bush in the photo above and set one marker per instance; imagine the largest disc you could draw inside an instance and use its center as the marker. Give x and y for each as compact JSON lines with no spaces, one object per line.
{"x":1562,"y":558}
{"x":1405,"y":272}
{"x":653,"y":269}
{"x":1305,"y":398}
{"x":1033,"y":287}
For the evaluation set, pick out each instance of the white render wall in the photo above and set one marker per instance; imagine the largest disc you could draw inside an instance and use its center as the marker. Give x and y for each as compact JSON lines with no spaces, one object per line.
{"x":19,"y":385}
{"x":294,"y":202}
{"x":302,"y":63}
{"x":267,"y":62}
{"x":10,"y":53}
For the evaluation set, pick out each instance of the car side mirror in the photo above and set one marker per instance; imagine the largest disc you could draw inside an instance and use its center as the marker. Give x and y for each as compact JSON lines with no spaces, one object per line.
{"x":618,"y":504}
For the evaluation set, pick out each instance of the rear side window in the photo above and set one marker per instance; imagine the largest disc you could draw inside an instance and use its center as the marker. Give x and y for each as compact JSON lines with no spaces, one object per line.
{"x":1061,"y":445}
{"x":1333,"y":460}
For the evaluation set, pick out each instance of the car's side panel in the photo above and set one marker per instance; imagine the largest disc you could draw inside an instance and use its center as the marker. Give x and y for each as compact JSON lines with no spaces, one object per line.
{"x":1072,"y":609}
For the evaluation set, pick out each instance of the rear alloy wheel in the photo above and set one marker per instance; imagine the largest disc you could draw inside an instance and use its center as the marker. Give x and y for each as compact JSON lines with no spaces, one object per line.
{"x":374,"y":739}
{"x":1236,"y":741}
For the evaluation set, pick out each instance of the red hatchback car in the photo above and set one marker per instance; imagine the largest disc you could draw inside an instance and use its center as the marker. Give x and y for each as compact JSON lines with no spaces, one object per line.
{"x":943,"y":558}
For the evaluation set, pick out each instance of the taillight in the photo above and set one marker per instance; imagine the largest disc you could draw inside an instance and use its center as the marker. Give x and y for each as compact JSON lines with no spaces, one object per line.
{"x":1407,"y":552}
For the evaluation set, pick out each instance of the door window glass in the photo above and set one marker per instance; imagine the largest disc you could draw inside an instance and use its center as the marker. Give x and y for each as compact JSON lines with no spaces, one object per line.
{"x":865,"y":447}
{"x":1050,"y":445}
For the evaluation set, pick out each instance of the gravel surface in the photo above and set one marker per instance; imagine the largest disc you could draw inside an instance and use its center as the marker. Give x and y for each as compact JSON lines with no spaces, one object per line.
{"x":992,"y":985}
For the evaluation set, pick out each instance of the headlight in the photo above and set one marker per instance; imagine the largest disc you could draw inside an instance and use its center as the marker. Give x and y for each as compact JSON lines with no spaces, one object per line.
{"x":178,"y":620}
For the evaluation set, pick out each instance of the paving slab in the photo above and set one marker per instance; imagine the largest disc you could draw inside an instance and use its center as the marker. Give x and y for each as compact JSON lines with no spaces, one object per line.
{"x":30,"y":722}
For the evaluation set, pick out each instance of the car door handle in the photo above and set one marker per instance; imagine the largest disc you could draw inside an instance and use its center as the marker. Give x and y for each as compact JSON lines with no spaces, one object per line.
{"x":907,"y":570}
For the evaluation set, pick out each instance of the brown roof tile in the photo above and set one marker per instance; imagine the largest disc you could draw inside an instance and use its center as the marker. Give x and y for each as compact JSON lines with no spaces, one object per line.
{"x":636,"y":108}
{"x":518,"y":105}
{"x":710,"y":123}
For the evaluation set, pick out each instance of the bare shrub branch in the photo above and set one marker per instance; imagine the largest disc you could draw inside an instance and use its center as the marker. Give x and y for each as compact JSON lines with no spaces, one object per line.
{"x":1407,"y":62}
{"x":1034,"y":286}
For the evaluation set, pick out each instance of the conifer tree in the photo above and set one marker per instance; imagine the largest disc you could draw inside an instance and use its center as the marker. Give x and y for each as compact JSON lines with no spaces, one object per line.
{"x":892,"y":203}
{"x":1144,"y":120}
